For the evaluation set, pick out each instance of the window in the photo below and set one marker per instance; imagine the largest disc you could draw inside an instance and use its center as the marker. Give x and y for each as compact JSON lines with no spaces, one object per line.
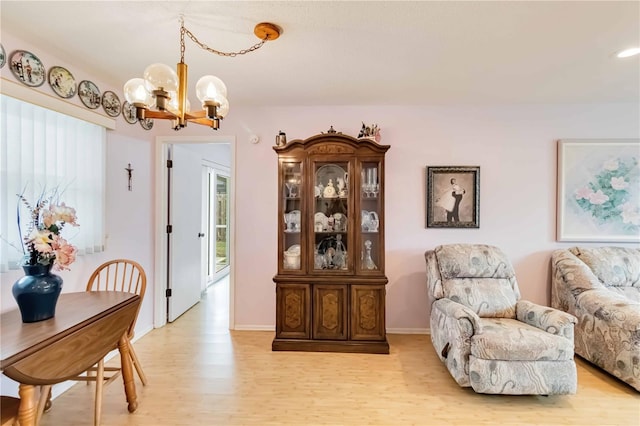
{"x":43,"y":150}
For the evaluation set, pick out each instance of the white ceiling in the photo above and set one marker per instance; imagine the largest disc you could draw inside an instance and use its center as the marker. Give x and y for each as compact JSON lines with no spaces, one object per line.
{"x":356,"y":53}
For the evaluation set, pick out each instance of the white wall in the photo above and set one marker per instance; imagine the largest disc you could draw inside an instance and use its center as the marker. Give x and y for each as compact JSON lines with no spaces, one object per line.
{"x":218,"y":153}
{"x":514,"y":145}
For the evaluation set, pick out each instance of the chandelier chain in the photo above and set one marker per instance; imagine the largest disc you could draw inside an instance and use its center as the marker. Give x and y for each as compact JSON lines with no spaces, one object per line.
{"x":184,"y":31}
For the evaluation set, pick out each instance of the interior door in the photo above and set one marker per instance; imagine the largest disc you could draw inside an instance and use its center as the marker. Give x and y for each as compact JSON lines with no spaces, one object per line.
{"x":185,"y":217}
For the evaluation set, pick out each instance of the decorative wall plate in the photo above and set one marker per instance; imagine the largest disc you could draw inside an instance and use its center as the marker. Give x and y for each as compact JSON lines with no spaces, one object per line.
{"x":111,"y":103}
{"x":89,"y":94}
{"x":27,"y":68}
{"x":129,"y":113}
{"x":3,"y":56}
{"x":62,"y":82}
{"x":146,"y":124}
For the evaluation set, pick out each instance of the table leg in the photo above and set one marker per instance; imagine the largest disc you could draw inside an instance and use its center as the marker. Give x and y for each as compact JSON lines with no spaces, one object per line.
{"x":28,"y":410}
{"x":127,"y":373}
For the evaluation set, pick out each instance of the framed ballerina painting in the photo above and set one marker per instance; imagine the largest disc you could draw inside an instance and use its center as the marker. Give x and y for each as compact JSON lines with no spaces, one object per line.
{"x":453,"y":197}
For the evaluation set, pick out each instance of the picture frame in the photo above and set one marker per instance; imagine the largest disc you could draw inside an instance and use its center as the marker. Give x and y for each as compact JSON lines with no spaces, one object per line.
{"x":598,"y":190}
{"x":453,"y":196}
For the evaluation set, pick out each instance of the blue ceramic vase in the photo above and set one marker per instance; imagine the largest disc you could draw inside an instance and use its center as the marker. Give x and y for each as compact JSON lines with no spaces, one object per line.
{"x":37,"y":293}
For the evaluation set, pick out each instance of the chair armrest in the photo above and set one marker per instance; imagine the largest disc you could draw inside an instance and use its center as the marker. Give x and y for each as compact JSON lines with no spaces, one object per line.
{"x":575,"y":275}
{"x":546,"y":318}
{"x":460,"y":312}
{"x":434,"y":280}
{"x":609,"y":307}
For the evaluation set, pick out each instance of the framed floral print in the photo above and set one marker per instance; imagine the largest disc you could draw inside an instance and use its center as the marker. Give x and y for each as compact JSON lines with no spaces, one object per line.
{"x":27,"y":68}
{"x":89,"y":94}
{"x":62,"y":82}
{"x":598,"y":190}
{"x":453,"y":197}
{"x":111,"y":103}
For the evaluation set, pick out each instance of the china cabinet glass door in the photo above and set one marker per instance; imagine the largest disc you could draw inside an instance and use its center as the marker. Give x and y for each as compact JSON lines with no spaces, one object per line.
{"x":331,"y":213}
{"x":370,"y":255}
{"x":292,"y":225}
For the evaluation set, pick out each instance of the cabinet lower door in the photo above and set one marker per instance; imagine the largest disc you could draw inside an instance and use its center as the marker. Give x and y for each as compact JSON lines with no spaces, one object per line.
{"x":330,"y":311}
{"x":367,"y":312}
{"x":293,"y":311}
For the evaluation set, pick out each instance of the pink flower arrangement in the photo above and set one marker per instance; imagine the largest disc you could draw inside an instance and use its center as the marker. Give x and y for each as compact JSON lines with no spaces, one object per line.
{"x":43,"y":244}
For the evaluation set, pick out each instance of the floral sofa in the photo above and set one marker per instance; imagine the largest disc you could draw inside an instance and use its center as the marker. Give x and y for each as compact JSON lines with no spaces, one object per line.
{"x":489,"y":339}
{"x":601,"y":286}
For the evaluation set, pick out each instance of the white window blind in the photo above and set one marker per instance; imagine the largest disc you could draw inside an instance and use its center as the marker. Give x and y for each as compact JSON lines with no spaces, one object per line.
{"x":45,"y":150}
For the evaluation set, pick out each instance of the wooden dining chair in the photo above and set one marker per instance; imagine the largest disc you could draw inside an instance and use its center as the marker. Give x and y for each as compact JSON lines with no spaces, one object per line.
{"x":9,"y":410}
{"x":9,"y":407}
{"x":116,"y":275}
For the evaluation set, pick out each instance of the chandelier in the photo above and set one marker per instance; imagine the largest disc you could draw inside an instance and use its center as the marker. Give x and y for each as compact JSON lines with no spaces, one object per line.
{"x":162,"y":93}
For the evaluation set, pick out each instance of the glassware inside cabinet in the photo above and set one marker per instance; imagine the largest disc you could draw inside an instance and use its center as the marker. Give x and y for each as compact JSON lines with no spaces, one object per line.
{"x":370,"y":213}
{"x":369,"y":182}
{"x":330,"y":218}
{"x":292,"y":225}
{"x":292,"y":180}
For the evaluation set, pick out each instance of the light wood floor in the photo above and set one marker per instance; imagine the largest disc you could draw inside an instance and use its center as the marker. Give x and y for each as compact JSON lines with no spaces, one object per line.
{"x":202,"y":374}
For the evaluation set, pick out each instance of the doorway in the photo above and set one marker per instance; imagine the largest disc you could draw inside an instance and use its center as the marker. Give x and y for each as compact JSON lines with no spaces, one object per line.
{"x":220,"y":231}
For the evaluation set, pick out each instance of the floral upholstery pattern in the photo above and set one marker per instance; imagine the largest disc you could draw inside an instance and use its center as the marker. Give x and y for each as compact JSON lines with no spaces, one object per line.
{"x":514,"y":340}
{"x":492,"y":297}
{"x":613,"y":266}
{"x":485,"y":335}
{"x":601,"y":286}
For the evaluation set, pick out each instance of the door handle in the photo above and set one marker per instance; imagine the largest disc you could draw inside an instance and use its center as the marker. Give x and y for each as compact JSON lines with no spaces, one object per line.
{"x":200,"y":234}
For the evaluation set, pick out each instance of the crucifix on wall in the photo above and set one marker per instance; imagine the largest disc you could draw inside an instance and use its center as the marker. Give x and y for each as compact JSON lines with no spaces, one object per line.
{"x":130,"y":174}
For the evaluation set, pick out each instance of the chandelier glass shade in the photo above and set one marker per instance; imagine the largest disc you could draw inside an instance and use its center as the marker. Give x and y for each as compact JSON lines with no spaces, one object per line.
{"x":162,"y":92}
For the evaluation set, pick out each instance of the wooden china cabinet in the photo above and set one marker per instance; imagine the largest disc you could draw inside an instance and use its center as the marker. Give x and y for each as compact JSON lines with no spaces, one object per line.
{"x":330,"y":285}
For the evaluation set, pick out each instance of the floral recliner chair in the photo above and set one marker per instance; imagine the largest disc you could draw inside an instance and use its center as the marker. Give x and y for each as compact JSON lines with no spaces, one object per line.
{"x":601,"y":286}
{"x":488,"y":338}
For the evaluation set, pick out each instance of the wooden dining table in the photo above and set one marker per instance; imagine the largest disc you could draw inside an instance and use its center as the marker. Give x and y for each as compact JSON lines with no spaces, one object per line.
{"x":85,"y":328}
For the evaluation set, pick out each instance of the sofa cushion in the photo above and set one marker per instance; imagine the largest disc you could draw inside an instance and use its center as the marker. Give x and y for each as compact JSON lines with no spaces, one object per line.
{"x":614,"y":266}
{"x":631,"y":293}
{"x":473,"y":261}
{"x":512,"y":340}
{"x":487,"y":297}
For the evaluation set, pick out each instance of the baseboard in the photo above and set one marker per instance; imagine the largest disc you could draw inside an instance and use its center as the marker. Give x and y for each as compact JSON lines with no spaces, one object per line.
{"x":408,"y":331}
{"x":140,"y":333}
{"x":389,"y":330}
{"x":255,"y":328}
